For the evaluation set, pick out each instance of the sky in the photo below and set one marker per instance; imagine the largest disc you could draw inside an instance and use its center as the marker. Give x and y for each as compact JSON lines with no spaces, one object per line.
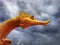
{"x":41,"y":10}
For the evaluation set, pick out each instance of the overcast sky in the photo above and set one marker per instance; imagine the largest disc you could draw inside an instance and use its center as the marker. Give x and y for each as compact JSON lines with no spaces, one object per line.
{"x":41,"y":10}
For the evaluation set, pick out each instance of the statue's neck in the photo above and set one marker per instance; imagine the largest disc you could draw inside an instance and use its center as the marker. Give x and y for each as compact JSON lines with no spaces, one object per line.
{"x":7,"y":26}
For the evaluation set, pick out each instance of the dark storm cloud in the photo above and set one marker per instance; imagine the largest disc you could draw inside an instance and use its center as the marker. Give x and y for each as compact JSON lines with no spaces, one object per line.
{"x":42,"y":10}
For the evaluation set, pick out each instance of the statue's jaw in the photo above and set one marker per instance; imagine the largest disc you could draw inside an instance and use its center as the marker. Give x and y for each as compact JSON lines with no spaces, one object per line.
{"x":34,"y":23}
{"x":25,"y":25}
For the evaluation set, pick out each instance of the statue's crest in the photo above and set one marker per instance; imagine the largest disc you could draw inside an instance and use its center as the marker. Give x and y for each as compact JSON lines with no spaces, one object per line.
{"x":24,"y":14}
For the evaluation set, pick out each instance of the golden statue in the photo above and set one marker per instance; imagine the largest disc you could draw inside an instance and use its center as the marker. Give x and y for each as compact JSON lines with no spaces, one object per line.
{"x":24,"y":20}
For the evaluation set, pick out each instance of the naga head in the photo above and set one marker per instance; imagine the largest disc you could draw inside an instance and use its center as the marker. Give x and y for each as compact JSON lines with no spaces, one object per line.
{"x":28,"y":20}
